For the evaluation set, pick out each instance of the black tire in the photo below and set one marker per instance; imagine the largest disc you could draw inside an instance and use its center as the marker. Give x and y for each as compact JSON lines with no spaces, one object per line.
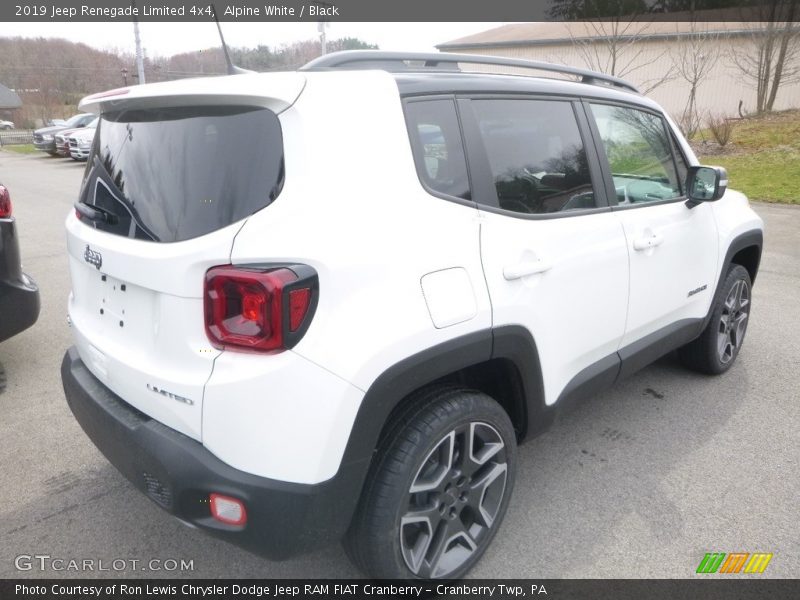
{"x":396,"y":530}
{"x":716,"y":349}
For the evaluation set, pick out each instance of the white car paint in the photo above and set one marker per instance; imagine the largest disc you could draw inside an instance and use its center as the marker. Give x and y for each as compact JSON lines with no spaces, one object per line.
{"x":399,"y":271}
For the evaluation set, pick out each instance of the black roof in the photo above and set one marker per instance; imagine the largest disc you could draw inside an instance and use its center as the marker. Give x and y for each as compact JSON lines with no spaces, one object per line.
{"x":9,"y":98}
{"x":443,"y":73}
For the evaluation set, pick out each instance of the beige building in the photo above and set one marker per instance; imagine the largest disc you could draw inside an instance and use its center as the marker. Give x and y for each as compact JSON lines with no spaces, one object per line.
{"x":657,"y":57}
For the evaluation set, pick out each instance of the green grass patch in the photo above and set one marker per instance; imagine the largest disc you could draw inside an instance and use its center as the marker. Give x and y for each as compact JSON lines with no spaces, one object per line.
{"x":763,"y":157}
{"x":770,"y":175}
{"x":21,"y":148}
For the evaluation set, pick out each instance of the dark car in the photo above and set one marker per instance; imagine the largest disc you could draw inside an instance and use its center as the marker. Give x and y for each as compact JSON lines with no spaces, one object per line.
{"x":19,"y":295}
{"x":44,"y":139}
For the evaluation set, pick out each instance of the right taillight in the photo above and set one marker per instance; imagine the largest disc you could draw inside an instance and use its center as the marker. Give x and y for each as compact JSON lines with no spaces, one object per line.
{"x":259,"y":309}
{"x":5,"y":203}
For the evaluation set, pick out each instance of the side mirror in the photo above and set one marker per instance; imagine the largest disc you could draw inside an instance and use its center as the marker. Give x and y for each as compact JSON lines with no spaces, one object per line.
{"x":705,"y":184}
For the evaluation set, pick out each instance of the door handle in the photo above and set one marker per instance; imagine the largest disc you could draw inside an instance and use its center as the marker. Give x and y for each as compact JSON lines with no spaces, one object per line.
{"x":652,"y":241}
{"x":522,"y":269}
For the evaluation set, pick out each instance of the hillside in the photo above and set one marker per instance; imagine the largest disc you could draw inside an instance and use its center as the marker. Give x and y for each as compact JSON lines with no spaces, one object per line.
{"x":762,"y":156}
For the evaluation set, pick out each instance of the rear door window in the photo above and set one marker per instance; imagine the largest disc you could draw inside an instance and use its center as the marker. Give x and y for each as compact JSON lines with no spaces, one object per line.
{"x":536,"y":155}
{"x":173,"y":174}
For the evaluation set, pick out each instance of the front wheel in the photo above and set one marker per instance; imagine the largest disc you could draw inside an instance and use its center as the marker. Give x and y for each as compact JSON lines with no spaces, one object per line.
{"x":718,"y":346}
{"x":438,"y":490}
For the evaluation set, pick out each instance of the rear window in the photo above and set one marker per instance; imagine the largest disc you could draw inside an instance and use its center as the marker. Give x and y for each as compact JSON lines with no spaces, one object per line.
{"x":173,"y":174}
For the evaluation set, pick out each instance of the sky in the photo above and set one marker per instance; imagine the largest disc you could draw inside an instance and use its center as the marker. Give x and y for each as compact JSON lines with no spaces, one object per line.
{"x":166,"y":39}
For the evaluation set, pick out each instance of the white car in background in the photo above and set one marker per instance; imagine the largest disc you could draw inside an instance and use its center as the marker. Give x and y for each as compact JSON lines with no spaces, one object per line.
{"x":6,"y":125}
{"x":80,"y":141}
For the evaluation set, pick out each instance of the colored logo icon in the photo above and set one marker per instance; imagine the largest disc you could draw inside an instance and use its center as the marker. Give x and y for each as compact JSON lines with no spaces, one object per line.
{"x":735,"y":562}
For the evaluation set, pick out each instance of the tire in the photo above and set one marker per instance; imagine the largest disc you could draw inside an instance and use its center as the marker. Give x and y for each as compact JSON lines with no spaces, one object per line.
{"x":432,"y":504}
{"x":716,"y":349}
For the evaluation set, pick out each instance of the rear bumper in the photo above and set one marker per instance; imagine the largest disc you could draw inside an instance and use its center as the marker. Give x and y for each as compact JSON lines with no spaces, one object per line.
{"x":19,"y":295}
{"x":178,"y":474}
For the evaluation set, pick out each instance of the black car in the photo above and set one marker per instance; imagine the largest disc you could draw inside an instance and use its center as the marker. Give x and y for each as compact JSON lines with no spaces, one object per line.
{"x":44,"y":139}
{"x":19,"y":295}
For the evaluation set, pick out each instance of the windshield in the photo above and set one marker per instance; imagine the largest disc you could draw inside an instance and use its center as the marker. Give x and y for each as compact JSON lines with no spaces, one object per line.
{"x":74,"y":121}
{"x":173,"y":174}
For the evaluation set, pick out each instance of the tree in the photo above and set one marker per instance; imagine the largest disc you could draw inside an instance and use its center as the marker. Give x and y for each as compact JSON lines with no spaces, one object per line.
{"x":773,"y":58}
{"x":694,"y":59}
{"x":571,"y":10}
{"x":612,"y":37}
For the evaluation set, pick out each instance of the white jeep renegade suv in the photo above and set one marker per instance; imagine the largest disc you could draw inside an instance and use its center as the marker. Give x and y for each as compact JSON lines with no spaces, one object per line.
{"x":328,"y":304}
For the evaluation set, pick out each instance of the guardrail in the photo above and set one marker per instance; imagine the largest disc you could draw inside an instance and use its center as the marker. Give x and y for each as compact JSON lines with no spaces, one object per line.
{"x":16,"y":136}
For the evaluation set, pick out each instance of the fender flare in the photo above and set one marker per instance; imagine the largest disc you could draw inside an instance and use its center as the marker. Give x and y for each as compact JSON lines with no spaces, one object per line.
{"x":753,"y":237}
{"x":513,"y":343}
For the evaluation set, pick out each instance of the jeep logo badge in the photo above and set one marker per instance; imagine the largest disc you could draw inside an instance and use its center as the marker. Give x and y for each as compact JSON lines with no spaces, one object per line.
{"x":92,"y":257}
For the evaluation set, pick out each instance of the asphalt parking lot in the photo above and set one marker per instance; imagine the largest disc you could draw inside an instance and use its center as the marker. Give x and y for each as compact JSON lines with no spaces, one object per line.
{"x":639,"y":482}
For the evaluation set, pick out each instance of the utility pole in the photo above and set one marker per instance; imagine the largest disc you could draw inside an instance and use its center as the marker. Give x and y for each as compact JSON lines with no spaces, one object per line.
{"x":139,"y":56}
{"x":321,"y":27}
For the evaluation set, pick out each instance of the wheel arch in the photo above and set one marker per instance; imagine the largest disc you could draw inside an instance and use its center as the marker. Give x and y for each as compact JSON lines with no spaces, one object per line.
{"x":744,"y":250}
{"x":502,"y":362}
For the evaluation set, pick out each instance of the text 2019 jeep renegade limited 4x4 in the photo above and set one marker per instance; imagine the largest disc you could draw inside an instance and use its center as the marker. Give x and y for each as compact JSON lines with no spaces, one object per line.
{"x":329,"y":303}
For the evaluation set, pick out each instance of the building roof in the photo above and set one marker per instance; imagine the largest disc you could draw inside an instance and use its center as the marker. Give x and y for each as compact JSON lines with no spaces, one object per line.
{"x":551,"y":33}
{"x":8,"y":98}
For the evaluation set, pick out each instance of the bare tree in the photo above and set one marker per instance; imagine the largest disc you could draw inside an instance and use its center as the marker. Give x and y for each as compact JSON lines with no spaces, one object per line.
{"x":773,"y":57}
{"x":610,"y":37}
{"x":694,"y":59}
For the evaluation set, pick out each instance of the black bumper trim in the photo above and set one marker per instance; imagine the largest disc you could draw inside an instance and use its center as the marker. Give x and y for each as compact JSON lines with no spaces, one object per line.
{"x":178,"y":473}
{"x":19,"y":294}
{"x":19,"y":306}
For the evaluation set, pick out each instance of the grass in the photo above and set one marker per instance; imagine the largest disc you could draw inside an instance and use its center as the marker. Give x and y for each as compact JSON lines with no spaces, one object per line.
{"x":21,"y":148}
{"x":763,"y":157}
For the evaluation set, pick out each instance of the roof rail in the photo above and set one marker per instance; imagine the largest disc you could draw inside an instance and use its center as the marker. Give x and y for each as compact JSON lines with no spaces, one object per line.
{"x":399,"y":61}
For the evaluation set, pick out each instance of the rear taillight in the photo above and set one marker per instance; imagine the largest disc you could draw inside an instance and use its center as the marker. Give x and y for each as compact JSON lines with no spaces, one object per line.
{"x":5,"y":203}
{"x":259,"y":309}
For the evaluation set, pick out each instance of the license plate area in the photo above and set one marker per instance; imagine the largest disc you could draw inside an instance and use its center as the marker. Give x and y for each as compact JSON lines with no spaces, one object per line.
{"x":117,"y":309}
{"x":113,"y":296}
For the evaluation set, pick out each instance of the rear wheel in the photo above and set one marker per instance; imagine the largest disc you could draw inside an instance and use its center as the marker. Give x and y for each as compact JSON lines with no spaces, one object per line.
{"x":718,"y":346}
{"x":439,"y":488}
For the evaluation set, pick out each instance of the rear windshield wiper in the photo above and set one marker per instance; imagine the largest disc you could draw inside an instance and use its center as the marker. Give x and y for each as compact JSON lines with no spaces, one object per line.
{"x":96,"y":214}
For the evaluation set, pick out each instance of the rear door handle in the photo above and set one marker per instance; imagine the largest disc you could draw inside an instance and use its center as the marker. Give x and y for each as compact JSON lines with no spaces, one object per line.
{"x":522,"y":269}
{"x":643,"y":243}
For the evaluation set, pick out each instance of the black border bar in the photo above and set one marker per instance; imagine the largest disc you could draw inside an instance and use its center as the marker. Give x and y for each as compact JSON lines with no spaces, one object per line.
{"x":383,"y":10}
{"x":703,"y":587}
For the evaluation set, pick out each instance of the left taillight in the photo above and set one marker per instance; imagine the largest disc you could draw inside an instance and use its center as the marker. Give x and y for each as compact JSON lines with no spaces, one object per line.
{"x":5,"y":203}
{"x":259,"y":309}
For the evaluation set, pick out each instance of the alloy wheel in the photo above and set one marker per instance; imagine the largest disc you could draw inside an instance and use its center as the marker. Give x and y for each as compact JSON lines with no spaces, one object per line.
{"x":453,"y":500}
{"x":733,"y":321}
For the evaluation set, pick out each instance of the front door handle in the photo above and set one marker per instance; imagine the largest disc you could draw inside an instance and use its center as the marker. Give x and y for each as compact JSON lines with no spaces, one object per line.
{"x":644,"y":243}
{"x":522,"y":269}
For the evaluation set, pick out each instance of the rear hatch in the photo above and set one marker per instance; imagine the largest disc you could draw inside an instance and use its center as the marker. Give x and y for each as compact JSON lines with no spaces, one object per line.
{"x":174,"y":172}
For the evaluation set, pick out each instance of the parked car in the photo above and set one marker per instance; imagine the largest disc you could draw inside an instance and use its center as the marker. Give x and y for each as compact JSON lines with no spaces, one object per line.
{"x":6,"y":125}
{"x":19,"y":295}
{"x":80,"y":141}
{"x":44,"y":138}
{"x":330,"y":303}
{"x":52,"y":122}
{"x":62,"y":144}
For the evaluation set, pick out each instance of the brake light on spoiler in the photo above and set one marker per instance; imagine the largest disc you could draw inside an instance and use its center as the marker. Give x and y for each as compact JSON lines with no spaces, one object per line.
{"x":255,"y":308}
